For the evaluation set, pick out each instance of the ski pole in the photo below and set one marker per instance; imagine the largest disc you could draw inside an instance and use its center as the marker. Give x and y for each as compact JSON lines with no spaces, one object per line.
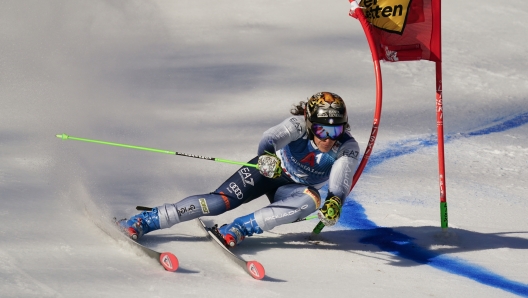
{"x":318,"y":228}
{"x":67,"y":137}
{"x":310,"y":217}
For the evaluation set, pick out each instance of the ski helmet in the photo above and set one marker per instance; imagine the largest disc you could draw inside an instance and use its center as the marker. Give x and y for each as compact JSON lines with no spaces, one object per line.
{"x":325,"y":108}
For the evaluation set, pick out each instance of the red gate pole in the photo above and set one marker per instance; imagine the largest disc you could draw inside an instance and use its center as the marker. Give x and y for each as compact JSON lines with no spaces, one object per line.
{"x":440,"y":116}
{"x":441,"y":159}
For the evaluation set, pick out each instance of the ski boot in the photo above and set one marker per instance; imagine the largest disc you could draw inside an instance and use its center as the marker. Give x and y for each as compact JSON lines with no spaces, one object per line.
{"x":241,"y":227}
{"x":140,"y":224}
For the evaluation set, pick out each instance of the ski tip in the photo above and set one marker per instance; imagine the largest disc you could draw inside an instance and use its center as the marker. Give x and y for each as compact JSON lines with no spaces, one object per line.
{"x":255,"y":269}
{"x":169,"y":261}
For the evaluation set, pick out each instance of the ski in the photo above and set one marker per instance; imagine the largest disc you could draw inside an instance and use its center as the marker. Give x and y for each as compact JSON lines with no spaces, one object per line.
{"x":253,"y":268}
{"x":166,"y":259}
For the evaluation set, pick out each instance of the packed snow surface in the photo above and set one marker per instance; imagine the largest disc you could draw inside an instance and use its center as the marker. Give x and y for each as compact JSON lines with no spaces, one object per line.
{"x":208,"y":78}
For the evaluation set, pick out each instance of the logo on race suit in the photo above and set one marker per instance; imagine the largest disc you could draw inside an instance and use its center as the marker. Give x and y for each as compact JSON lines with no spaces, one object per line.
{"x":285,"y":214}
{"x":347,"y":181}
{"x":388,"y":15}
{"x":297,"y":124}
{"x":309,"y":159}
{"x":245,"y":175}
{"x":306,"y":167}
{"x":203,"y":204}
{"x":351,"y":153}
{"x":184,"y":210}
{"x":233,"y":188}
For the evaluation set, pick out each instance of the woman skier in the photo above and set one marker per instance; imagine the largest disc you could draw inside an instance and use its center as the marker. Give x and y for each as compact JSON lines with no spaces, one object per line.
{"x":295,"y":159}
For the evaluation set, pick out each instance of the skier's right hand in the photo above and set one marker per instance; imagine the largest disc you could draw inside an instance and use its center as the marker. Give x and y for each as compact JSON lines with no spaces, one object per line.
{"x":269,"y":165}
{"x":330,"y":212}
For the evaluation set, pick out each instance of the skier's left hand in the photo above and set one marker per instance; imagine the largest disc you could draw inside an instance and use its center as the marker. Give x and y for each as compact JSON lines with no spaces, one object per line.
{"x":330,"y":212}
{"x":269,"y":166}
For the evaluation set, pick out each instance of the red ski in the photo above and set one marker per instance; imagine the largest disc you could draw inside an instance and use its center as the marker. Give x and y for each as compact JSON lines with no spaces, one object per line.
{"x":166,"y":259}
{"x":253,"y":268}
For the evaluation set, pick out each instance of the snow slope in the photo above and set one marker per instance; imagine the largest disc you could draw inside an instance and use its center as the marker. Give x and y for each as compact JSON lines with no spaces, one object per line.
{"x":208,"y":77}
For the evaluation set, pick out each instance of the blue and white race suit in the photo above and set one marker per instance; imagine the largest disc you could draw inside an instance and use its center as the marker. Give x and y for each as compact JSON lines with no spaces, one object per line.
{"x":293,"y":195}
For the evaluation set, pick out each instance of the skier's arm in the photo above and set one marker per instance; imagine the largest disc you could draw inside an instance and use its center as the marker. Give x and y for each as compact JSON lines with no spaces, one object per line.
{"x":340,"y":182}
{"x":281,"y":135}
{"x":274,"y":139}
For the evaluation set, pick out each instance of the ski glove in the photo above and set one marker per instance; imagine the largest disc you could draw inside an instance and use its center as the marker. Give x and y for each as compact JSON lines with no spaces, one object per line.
{"x":269,"y":166}
{"x":330,"y":212}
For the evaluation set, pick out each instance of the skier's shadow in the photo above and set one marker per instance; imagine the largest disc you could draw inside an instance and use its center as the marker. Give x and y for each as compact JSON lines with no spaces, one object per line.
{"x":428,"y":246}
{"x":410,"y":246}
{"x":426,"y":243}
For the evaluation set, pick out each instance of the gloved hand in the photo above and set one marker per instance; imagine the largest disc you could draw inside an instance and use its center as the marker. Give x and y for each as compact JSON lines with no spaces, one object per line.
{"x":330,"y":212}
{"x":269,"y":165}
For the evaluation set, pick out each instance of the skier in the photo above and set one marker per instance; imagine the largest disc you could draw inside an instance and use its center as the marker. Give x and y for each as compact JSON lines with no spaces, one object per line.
{"x":295,"y":159}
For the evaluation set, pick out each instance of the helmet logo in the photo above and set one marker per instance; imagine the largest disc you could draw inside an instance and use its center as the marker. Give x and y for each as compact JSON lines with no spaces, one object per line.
{"x":326,"y":104}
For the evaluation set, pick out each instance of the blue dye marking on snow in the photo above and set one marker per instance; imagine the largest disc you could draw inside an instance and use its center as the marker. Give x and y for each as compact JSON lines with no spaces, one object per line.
{"x":501,"y":125}
{"x":401,"y":245}
{"x":412,"y":145}
{"x":354,"y":217}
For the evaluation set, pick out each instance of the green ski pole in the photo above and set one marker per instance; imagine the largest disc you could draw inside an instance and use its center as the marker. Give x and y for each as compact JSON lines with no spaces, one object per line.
{"x":318,"y":228}
{"x":306,"y":218}
{"x":67,"y":137}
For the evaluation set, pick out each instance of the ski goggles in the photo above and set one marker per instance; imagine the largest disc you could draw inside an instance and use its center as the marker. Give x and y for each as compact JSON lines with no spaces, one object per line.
{"x":324,"y":132}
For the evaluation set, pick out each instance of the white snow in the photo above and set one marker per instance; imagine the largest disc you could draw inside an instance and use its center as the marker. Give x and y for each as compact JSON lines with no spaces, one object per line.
{"x":207,"y":78}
